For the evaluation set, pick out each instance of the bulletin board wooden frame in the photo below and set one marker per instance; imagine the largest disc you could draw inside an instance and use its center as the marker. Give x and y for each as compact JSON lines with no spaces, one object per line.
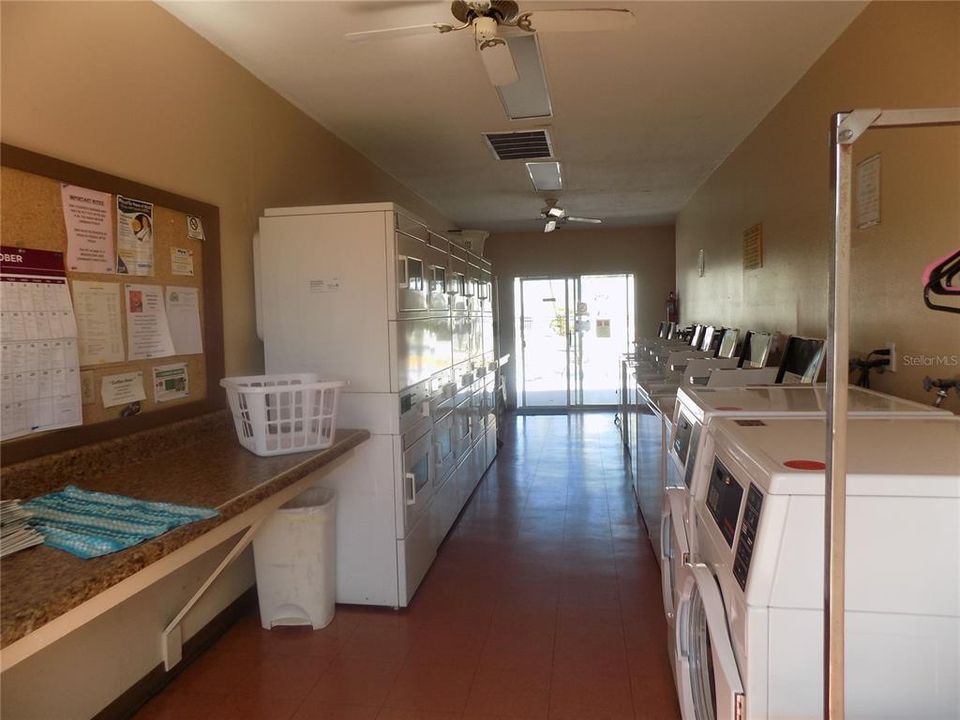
{"x":31,"y":446}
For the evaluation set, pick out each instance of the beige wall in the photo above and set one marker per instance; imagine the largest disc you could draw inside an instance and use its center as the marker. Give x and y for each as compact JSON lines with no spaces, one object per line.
{"x":127,"y":89}
{"x":894,"y":55}
{"x":648,"y":252}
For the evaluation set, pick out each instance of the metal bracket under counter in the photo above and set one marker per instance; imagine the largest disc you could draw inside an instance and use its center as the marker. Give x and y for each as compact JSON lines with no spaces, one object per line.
{"x":171,"y":638}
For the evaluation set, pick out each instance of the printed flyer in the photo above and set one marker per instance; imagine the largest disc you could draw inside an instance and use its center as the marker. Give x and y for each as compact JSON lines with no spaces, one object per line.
{"x":86,"y":214}
{"x":148,"y":334}
{"x":170,"y":382}
{"x":134,"y":236}
{"x":122,"y":389}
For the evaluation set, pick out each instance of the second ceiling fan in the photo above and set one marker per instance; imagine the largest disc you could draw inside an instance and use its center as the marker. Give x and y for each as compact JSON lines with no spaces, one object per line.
{"x":491,"y":20}
{"x":555,"y":215}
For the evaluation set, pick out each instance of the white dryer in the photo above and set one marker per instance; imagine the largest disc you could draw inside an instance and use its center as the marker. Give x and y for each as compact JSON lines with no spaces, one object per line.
{"x":696,"y":408}
{"x":749,"y":620}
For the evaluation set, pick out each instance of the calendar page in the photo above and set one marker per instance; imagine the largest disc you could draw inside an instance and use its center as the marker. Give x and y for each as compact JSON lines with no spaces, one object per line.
{"x":39,"y":362}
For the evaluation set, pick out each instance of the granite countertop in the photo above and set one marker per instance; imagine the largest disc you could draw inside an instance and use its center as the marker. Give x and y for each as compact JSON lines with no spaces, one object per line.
{"x":198,"y":463}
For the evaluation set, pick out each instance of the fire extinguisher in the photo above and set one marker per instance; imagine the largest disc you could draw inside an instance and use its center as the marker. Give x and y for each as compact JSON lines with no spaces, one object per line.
{"x":671,"y":307}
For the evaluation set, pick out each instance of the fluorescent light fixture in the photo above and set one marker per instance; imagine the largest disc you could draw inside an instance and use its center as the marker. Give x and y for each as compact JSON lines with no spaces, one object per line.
{"x":528,"y":97}
{"x":545,"y":176}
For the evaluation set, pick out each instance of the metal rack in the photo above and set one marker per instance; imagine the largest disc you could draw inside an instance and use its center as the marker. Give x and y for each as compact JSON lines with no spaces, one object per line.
{"x":845,"y":129}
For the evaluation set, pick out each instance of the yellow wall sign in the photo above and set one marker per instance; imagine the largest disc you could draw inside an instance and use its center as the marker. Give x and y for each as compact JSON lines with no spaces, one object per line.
{"x":753,"y":247}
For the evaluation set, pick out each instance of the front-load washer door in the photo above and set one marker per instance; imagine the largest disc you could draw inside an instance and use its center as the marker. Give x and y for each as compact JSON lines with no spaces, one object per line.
{"x":674,"y":549}
{"x":674,"y":569}
{"x":708,"y":679}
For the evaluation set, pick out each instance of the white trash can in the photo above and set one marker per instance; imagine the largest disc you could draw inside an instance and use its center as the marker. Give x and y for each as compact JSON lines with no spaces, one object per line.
{"x":295,"y":556}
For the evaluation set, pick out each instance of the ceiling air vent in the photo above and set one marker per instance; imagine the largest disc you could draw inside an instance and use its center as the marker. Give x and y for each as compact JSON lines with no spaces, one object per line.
{"x":521,"y":145}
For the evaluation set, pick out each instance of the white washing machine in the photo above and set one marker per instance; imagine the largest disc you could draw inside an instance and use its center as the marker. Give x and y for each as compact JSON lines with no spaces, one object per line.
{"x":695,"y":409}
{"x":749,"y":619}
{"x":651,"y":473}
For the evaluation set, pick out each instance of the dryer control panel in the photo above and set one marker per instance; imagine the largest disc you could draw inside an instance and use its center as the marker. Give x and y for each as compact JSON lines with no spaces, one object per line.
{"x":748,"y":536}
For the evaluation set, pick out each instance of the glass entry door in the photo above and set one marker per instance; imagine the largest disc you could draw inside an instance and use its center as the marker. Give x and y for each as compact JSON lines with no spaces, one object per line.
{"x":571,"y":333}
{"x":544,"y":338}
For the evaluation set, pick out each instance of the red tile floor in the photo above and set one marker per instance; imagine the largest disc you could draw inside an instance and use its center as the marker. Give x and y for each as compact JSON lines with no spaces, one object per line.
{"x":543,"y":604}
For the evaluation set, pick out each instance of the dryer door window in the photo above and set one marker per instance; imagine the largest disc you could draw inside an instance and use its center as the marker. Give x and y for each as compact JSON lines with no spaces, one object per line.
{"x":702,"y":676}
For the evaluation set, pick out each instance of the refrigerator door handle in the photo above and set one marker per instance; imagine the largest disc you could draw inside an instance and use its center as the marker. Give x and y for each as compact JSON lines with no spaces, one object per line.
{"x":412,"y":498}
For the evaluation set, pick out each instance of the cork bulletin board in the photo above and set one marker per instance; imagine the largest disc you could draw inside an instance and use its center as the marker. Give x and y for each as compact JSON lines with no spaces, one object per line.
{"x":32,"y":216}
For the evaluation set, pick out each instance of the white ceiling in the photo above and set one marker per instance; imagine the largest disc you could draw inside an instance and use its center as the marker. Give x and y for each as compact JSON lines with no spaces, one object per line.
{"x":641,"y":117}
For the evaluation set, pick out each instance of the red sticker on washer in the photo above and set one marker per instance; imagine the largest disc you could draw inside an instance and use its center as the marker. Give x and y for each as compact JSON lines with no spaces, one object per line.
{"x":729,"y":407}
{"x":805,"y":465}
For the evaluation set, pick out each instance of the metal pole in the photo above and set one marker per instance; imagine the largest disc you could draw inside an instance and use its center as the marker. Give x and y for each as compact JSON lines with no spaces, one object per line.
{"x":522,"y":371}
{"x":838,"y":349}
{"x":845,"y":129}
{"x":566,"y":309}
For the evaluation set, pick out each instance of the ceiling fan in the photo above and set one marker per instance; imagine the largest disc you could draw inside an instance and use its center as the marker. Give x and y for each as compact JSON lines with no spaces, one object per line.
{"x":555,"y":216}
{"x":490,"y":20}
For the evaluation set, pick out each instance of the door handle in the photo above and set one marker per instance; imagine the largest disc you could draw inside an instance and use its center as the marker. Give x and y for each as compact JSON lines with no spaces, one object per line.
{"x":679,"y":629}
{"x":664,"y":537}
{"x":413,"y":488}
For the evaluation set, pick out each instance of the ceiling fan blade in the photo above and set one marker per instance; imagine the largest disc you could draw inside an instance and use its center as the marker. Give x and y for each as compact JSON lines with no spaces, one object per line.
{"x":378,"y":6}
{"x":390,"y":33}
{"x":580,"y":20}
{"x":550,"y":226}
{"x":573,"y":218}
{"x":553,"y":212}
{"x":498,"y":62}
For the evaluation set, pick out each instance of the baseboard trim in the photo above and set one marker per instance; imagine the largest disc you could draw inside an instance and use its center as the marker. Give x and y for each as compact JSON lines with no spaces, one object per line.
{"x":153,"y":682}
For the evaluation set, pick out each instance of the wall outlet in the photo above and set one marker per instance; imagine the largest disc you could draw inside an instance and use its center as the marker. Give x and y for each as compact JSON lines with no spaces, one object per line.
{"x":892,"y":347}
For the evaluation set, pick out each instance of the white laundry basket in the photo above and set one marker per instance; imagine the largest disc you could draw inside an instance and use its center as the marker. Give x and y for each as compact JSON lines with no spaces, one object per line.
{"x":295,"y":557}
{"x":278,"y":414}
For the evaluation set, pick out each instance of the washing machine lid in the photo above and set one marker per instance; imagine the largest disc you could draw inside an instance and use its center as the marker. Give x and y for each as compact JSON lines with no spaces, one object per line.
{"x":660,"y":404}
{"x":899,"y":457}
{"x":796,"y":399}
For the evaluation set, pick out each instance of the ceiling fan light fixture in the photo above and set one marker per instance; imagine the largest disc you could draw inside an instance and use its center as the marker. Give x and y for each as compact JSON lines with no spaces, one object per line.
{"x":485,"y":28}
{"x":545,"y":176}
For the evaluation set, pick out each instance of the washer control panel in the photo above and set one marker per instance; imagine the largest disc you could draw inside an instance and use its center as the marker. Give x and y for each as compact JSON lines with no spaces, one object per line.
{"x":748,"y":535}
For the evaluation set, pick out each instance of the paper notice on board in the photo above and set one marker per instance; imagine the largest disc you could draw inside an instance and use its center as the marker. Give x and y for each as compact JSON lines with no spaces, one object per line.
{"x":170,"y":382}
{"x":183,"y":314}
{"x":134,"y":236}
{"x":86,"y":214}
{"x":122,"y":389}
{"x":194,"y":227}
{"x":148,"y":334}
{"x":97,"y":306}
{"x":181,"y":261}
